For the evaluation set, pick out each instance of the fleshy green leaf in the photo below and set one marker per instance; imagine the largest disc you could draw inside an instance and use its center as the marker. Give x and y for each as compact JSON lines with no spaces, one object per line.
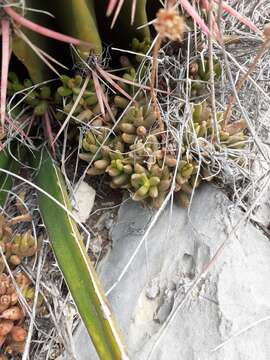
{"x":74,"y":262}
{"x":37,"y":69}
{"x":77,"y":18}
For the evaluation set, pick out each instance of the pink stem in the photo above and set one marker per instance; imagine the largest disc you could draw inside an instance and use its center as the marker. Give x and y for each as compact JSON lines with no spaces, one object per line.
{"x":117,"y":11}
{"x":133,"y":11}
{"x":42,"y":30}
{"x":205,"y":5}
{"x":215,"y":28}
{"x":105,"y":100}
{"x":228,"y":9}
{"x":48,"y":131}
{"x":196,"y":17}
{"x":111,"y":7}
{"x":5,"y":65}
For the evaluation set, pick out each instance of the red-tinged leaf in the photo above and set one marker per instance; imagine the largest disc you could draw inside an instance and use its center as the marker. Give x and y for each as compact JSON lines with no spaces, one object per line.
{"x":4,"y":67}
{"x":196,"y":17}
{"x":229,"y":10}
{"x":43,"y":30}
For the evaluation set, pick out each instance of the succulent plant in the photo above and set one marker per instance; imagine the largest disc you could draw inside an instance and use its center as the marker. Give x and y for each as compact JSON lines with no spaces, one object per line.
{"x":13,"y":329}
{"x":141,"y":164}
{"x":15,"y":246}
{"x":199,"y":72}
{"x":38,"y":99}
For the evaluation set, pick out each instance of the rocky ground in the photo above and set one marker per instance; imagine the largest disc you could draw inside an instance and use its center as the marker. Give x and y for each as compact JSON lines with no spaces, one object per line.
{"x":195,"y":287}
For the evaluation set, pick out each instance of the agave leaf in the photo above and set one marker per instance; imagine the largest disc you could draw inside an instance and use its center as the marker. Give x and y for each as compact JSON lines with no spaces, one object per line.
{"x":37,"y":69}
{"x":78,"y":20}
{"x":7,"y":162}
{"x":73,"y":260}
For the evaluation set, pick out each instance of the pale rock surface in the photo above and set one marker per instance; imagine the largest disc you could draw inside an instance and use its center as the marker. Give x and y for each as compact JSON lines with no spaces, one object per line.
{"x":83,"y":201}
{"x":234,"y":295}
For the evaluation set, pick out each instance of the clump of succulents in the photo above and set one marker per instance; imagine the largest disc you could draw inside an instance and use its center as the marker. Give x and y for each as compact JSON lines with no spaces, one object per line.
{"x":68,"y":93}
{"x":13,"y":329}
{"x":199,"y":72}
{"x":135,"y":158}
{"x":15,"y":246}
{"x":38,"y":99}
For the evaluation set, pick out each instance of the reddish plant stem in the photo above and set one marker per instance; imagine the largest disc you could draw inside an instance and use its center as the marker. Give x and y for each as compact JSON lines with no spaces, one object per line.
{"x":4,"y":68}
{"x":111,"y":6}
{"x":99,"y":90}
{"x":42,"y":30}
{"x":48,"y":131}
{"x":108,"y":77}
{"x":229,"y":10}
{"x":133,"y":11}
{"x":196,"y":17}
{"x":117,"y":11}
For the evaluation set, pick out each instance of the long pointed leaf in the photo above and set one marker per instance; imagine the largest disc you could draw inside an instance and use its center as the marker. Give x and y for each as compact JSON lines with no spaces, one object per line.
{"x":74,"y":262}
{"x":78,"y":20}
{"x":37,"y":69}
